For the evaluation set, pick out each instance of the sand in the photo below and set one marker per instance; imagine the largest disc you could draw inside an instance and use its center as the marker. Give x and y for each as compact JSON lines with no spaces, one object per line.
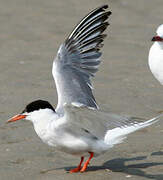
{"x":30,"y":34}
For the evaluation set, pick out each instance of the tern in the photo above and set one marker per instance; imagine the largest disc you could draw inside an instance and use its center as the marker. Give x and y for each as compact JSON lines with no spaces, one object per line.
{"x":155,"y":59}
{"x":77,"y":126}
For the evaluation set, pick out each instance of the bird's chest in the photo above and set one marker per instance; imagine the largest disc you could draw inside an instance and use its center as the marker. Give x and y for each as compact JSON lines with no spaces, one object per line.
{"x":45,"y":133}
{"x":48,"y":135}
{"x":156,"y":63}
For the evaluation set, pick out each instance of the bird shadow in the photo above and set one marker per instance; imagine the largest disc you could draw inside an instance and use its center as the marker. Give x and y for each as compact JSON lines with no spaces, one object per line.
{"x":118,"y":165}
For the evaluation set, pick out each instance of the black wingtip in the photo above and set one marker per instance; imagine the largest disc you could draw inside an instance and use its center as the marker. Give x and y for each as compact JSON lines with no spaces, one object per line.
{"x":109,"y":13}
{"x":95,"y":21}
{"x":101,"y":8}
{"x":105,"y":6}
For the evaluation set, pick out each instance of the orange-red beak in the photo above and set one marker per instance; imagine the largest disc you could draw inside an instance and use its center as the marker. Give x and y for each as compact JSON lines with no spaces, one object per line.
{"x":16,"y":118}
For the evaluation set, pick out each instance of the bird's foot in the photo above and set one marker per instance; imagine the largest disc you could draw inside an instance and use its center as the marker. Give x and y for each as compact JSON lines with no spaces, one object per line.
{"x":87,"y":162}
{"x":83,"y":169}
{"x":75,"y":170}
{"x":79,"y":166}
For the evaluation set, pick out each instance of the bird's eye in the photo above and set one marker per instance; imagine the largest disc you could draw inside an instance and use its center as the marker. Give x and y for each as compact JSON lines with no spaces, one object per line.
{"x":23,"y":111}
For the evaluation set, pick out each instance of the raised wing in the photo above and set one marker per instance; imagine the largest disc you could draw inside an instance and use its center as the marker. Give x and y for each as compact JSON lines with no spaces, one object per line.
{"x":78,"y":60}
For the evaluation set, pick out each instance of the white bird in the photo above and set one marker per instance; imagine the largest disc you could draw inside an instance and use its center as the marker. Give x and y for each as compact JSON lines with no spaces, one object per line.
{"x":155,"y":59}
{"x":77,"y":126}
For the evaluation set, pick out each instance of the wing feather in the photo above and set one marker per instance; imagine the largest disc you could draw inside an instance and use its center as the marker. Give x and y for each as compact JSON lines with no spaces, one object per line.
{"x":110,"y":125}
{"x":78,"y":59}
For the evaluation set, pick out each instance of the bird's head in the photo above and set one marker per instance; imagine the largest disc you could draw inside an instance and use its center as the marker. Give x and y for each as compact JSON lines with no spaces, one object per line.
{"x":159,"y":36}
{"x":34,"y":111}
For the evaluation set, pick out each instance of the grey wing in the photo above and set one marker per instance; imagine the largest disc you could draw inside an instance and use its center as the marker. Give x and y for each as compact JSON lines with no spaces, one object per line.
{"x":78,"y":59}
{"x":96,"y":122}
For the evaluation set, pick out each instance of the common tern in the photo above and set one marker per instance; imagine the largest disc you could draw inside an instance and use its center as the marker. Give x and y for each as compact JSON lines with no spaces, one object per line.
{"x":77,"y":126}
{"x":155,"y":59}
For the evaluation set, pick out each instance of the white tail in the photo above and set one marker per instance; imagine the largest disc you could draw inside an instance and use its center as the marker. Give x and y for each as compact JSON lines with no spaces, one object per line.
{"x":117,"y":135}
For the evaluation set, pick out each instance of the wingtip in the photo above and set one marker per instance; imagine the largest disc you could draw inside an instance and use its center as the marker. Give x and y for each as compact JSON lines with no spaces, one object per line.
{"x":105,"y":6}
{"x":109,"y":13}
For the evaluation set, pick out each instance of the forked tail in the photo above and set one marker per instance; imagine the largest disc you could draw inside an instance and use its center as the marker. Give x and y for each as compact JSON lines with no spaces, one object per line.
{"x":117,"y":135}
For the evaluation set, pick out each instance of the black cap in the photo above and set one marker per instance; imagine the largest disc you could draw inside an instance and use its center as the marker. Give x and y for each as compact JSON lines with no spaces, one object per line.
{"x":38,"y":104}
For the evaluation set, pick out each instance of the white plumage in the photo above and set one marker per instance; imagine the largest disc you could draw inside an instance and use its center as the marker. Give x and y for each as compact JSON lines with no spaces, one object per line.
{"x":77,"y":126}
{"x":155,"y":59}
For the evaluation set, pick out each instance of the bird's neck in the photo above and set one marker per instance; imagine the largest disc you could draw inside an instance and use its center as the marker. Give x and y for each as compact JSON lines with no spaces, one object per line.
{"x":159,"y":44}
{"x":42,"y":121}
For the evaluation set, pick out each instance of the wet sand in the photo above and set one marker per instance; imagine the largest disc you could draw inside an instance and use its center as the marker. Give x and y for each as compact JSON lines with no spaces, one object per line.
{"x":30,"y":34}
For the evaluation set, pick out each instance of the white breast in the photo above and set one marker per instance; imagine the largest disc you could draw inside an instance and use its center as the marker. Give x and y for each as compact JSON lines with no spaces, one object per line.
{"x":155,"y":61}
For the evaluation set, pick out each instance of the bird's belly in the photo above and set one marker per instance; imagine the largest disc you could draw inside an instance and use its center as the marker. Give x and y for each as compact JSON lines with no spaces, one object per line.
{"x":156,"y":64}
{"x":66,"y":143}
{"x":69,"y":143}
{"x":157,"y":71}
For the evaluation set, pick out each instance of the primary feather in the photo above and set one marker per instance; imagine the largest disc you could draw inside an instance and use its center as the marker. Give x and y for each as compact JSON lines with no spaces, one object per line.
{"x":78,"y":59}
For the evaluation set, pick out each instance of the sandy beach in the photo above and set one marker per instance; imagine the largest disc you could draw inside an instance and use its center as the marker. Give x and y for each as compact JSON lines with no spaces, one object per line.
{"x":30,"y":35}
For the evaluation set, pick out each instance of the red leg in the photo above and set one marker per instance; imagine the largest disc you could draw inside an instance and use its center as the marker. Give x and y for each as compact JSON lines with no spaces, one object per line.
{"x":79,"y":166}
{"x":87,"y":162}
